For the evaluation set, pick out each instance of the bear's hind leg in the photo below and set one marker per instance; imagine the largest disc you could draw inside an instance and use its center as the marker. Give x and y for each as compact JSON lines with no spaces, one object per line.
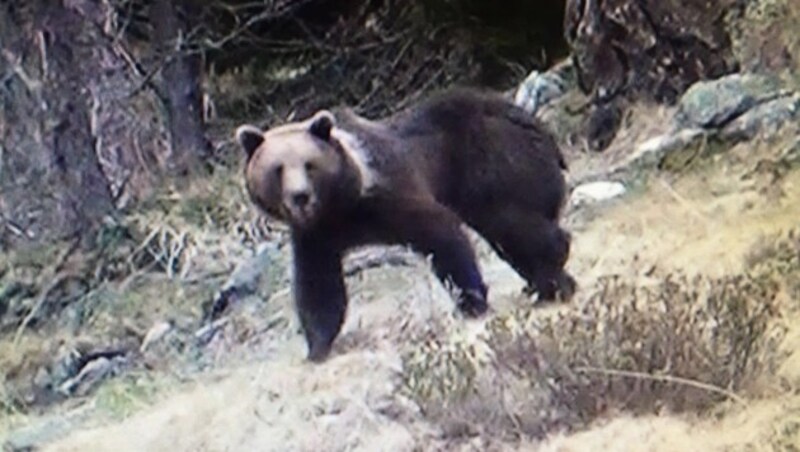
{"x":320,"y":295}
{"x":535,"y":247}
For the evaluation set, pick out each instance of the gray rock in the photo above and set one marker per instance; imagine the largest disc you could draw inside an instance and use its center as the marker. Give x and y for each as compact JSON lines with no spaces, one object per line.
{"x":765,"y":117}
{"x":714,"y":103}
{"x":90,"y":375}
{"x":246,"y":279}
{"x":251,"y":271}
{"x":711,"y":117}
{"x":540,"y":88}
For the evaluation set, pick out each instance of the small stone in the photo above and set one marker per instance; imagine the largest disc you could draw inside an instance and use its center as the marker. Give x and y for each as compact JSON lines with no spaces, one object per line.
{"x":539,"y":89}
{"x":597,"y":191}
{"x":155,"y":334}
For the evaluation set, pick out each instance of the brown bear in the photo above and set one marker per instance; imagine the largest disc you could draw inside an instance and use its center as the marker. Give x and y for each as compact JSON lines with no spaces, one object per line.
{"x":341,"y":181}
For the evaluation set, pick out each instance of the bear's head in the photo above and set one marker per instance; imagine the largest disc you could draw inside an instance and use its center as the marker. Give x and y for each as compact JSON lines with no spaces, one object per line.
{"x":298,"y":171}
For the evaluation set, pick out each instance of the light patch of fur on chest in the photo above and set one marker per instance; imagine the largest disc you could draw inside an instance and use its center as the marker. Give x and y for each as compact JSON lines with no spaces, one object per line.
{"x":360,"y":156}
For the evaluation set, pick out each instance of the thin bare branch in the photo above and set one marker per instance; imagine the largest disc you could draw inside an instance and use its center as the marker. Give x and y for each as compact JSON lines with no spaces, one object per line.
{"x":664,"y":378}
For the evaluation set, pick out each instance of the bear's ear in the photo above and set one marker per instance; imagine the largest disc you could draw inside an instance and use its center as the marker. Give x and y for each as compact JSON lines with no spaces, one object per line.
{"x":249,"y":138}
{"x":321,"y":125}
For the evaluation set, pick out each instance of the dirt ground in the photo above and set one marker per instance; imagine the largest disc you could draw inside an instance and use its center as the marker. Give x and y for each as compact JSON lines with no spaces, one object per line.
{"x":703,"y":221}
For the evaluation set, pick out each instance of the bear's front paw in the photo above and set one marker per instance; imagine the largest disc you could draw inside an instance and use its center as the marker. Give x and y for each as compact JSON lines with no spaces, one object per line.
{"x":473,"y":304}
{"x":562,"y":288}
{"x":318,"y":352}
{"x":567,"y":286}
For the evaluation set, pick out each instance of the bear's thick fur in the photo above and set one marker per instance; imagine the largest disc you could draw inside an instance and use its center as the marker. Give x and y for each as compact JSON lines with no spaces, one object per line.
{"x":463,"y":156}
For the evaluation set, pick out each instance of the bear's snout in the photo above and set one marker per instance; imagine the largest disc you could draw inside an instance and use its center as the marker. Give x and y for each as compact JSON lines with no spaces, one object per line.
{"x":300,"y":206}
{"x":301,"y":199}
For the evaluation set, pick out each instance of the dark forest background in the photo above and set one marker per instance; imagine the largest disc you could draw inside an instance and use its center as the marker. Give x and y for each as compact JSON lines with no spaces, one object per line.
{"x":106,"y":102}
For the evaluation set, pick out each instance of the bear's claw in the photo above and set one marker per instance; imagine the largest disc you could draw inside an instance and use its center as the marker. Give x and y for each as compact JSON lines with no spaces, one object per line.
{"x":473,"y":306}
{"x":318,"y":353}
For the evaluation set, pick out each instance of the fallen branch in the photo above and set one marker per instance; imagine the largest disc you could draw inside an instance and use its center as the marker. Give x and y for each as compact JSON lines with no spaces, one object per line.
{"x":664,"y":378}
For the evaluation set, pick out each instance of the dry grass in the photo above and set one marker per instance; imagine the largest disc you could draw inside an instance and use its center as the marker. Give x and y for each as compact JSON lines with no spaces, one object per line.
{"x":682,"y":345}
{"x":160,"y":263}
{"x":779,"y":255}
{"x":695,"y":341}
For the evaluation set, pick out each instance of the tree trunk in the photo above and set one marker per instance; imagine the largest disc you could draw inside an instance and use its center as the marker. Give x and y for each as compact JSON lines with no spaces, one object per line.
{"x":53,"y":186}
{"x":180,"y":88}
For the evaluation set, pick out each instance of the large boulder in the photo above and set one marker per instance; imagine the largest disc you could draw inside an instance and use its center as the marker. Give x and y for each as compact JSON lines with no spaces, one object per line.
{"x":714,"y":103}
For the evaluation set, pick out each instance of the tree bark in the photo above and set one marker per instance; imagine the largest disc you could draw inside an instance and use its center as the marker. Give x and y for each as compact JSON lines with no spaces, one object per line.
{"x":180,"y":88}
{"x":56,"y":188}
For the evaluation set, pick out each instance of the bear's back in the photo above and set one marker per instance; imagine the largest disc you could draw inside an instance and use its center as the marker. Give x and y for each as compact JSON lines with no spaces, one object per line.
{"x":487,"y":149}
{"x":464,"y":145}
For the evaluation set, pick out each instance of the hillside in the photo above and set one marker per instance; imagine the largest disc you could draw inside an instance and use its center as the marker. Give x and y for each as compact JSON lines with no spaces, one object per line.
{"x":146,"y":305}
{"x":408,"y":375}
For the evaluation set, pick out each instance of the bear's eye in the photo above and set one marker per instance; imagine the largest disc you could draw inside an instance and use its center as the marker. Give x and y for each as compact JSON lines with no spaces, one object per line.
{"x":310,"y":167}
{"x":278,"y":170}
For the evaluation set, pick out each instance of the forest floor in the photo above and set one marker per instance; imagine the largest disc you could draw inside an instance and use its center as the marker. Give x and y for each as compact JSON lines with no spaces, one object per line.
{"x":707,"y":219}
